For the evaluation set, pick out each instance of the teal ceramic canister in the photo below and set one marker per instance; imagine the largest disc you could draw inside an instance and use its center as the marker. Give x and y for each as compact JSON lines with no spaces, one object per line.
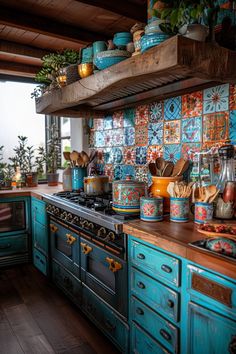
{"x":179,"y":209}
{"x":87,"y":55}
{"x":77,"y":176}
{"x":99,"y":46}
{"x":151,"y":209}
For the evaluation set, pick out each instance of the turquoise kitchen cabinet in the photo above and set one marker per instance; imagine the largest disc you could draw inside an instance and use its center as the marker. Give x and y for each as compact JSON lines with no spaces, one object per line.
{"x":15,"y":229}
{"x":40,"y":240}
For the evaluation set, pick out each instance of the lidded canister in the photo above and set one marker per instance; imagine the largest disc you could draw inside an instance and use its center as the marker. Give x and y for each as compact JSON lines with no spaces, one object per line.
{"x":151,"y":208}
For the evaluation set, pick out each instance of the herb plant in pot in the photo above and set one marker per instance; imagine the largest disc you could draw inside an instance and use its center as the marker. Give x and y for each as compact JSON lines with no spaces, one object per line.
{"x":52,"y":157}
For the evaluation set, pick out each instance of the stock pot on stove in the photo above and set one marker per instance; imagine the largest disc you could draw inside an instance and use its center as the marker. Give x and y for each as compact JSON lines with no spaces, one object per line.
{"x":96,"y":185}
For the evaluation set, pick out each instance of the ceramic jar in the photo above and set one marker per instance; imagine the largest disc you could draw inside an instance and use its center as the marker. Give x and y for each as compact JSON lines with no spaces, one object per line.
{"x":203,"y":212}
{"x":151,"y":209}
{"x":198,"y":32}
{"x":77,"y":176}
{"x":179,"y":209}
{"x":96,"y":185}
{"x":121,"y":39}
{"x":137,"y":31}
{"x":87,"y":55}
{"x":126,"y":196}
{"x":98,"y":47}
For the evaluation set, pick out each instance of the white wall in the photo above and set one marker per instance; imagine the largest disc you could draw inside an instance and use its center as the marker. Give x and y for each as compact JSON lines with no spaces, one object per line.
{"x":18,"y":117}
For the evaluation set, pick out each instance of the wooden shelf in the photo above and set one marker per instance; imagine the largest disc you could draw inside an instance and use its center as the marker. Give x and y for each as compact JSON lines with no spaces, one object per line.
{"x":178,"y":65}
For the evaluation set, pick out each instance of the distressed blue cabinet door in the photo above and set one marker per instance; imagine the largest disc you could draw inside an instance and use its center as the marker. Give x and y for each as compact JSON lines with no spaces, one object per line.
{"x":39,"y":213}
{"x":40,"y":237}
{"x":210,"y":333}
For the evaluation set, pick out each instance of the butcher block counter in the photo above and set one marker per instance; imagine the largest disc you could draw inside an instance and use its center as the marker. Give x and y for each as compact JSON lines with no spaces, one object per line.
{"x":36,"y":192}
{"x":175,"y":238}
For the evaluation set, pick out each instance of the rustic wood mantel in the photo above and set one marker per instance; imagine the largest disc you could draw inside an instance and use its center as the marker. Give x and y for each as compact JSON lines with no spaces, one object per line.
{"x":178,"y":65}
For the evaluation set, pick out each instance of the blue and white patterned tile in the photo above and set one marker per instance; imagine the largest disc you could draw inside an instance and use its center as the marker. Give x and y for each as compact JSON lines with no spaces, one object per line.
{"x":172,"y":108}
{"x":108,"y":156}
{"x":141,"y":173}
{"x":118,"y":137}
{"x":232,"y":127}
{"x":141,"y":155}
{"x":216,"y":99}
{"x":155,"y":133}
{"x":108,"y":138}
{"x":128,"y":170}
{"x":118,"y":172}
{"x":129,"y":136}
{"x":99,"y":138}
{"x":108,"y":123}
{"x":117,"y":153}
{"x":192,"y":130}
{"x":101,"y":168}
{"x":129,"y":117}
{"x":172,"y":152}
{"x":98,"y":123}
{"x":155,"y":112}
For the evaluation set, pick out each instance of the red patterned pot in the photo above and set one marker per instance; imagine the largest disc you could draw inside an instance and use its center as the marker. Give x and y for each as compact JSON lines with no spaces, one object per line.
{"x":151,"y":209}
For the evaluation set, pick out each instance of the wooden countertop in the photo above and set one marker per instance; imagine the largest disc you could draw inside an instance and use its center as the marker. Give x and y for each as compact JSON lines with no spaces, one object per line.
{"x":36,"y":192}
{"x":175,"y":238}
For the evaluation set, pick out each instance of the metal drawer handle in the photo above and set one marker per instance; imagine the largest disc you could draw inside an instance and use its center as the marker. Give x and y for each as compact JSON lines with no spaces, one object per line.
{"x":3,"y":247}
{"x":141,"y":285}
{"x":53,"y":228}
{"x":111,"y":327}
{"x":170,"y":303}
{"x":166,"y":268}
{"x":141,"y":256}
{"x":70,"y":239}
{"x":165,"y":334}
{"x":86,"y":249}
{"x":42,"y":262}
{"x":139,"y":311}
{"x":113,"y":265}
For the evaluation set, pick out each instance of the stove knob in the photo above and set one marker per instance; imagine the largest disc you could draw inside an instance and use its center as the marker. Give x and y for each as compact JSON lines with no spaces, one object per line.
{"x":64,"y":215}
{"x":84,"y":223}
{"x":48,"y":208}
{"x":53,"y":209}
{"x":90,"y":226}
{"x":75,"y":220}
{"x":101,"y":233}
{"x":56,"y":211}
{"x":69,"y":217}
{"x":111,"y":236}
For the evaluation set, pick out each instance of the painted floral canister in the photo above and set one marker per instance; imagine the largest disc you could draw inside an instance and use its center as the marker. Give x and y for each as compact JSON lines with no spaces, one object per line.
{"x":126,"y":196}
{"x":151,"y":208}
{"x":203,"y":212}
{"x":179,"y":209}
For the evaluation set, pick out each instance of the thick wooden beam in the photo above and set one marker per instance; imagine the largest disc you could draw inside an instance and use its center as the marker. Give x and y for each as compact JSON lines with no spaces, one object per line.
{"x":122,"y":7}
{"x":12,"y":77}
{"x":46,"y":26}
{"x":7,"y":67}
{"x":21,"y":50}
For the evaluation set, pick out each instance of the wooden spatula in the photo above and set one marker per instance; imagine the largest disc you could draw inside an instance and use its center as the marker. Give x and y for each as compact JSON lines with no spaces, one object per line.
{"x":180,"y":167}
{"x":168,"y":168}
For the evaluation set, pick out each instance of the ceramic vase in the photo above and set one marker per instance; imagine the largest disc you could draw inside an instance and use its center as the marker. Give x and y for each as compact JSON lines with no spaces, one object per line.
{"x":179,"y":209}
{"x":78,"y":174}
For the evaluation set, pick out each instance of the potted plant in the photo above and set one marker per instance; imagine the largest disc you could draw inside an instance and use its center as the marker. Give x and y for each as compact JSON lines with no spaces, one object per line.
{"x":52,"y":156}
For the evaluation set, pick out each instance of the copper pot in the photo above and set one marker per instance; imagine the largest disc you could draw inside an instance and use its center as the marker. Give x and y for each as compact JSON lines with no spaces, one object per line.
{"x":96,"y":185}
{"x":85,"y":69}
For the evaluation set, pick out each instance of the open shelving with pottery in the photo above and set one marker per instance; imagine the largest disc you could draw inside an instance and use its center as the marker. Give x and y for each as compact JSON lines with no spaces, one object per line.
{"x":178,"y":65}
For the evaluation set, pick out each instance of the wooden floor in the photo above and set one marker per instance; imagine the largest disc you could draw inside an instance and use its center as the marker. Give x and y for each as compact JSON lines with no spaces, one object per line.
{"x":35,"y":317}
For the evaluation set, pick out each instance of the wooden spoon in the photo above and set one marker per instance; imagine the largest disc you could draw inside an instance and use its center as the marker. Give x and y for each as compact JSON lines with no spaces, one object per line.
{"x":80,"y":161}
{"x":85,"y":157}
{"x":180,"y":167}
{"x":209,"y":192}
{"x":211,"y":200}
{"x":153,"y":169}
{"x":66,"y":155}
{"x":160,"y":164}
{"x":168,"y":168}
{"x":92,"y":155}
{"x":74,"y":156}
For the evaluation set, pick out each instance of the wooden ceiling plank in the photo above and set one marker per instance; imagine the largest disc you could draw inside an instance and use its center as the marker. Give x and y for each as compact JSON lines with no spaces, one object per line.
{"x":47,"y":26}
{"x":6,"y":66}
{"x":125,"y":8}
{"x":21,"y":49}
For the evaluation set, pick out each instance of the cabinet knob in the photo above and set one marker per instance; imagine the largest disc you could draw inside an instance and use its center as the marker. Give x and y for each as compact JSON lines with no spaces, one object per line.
{"x":70,"y":239}
{"x":166,"y":268}
{"x":139,"y":311}
{"x":140,"y":256}
{"x":109,"y":326}
{"x":141,"y":285}
{"x":86,"y":249}
{"x":165,"y":334}
{"x":114,"y":266}
{"x":170,"y":303}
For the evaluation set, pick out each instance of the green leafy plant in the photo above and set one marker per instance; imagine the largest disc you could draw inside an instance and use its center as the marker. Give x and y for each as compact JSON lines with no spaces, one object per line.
{"x":24,"y":155}
{"x":52,"y":155}
{"x":40,"y":161}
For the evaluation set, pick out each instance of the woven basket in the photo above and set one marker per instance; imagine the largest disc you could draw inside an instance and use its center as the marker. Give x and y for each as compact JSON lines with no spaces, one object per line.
{"x":71,"y":73}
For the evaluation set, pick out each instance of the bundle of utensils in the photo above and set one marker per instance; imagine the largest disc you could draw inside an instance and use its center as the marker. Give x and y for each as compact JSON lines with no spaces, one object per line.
{"x":163,"y":168}
{"x":180,"y":189}
{"x":79,"y":159}
{"x":205,"y":194}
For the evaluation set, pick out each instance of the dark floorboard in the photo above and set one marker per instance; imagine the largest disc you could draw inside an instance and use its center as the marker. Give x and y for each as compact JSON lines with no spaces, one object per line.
{"x":36,"y":318}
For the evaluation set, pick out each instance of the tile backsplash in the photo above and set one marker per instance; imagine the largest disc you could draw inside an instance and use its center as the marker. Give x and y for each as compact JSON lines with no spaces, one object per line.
{"x":128,"y":140}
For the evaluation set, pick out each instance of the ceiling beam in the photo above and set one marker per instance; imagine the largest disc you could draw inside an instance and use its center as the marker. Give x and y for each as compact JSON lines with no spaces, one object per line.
{"x":4,"y":77}
{"x":125,"y":8}
{"x":47,"y":26}
{"x":21,"y":50}
{"x":18,"y":69}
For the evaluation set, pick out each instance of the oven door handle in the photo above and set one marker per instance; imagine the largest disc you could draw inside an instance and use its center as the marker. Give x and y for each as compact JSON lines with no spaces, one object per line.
{"x":114,"y":266}
{"x":86,"y":249}
{"x":70,"y":239}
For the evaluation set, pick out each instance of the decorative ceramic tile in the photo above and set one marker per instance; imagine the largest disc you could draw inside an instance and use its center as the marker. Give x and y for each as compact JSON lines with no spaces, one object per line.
{"x":142,"y":113}
{"x":118,"y":172}
{"x":189,"y":149}
{"x":118,"y":137}
{"x":100,"y":156}
{"x":91,"y":138}
{"x":129,"y":155}
{"x":141,"y":173}
{"x":155,"y":133}
{"x":99,"y":138}
{"x":216,"y":99}
{"x":216,"y":127}
{"x":100,"y":168}
{"x":155,"y":114}
{"x":172,"y":132}
{"x":172,"y":152}
{"x":118,"y":119}
{"x":109,"y":171}
{"x":108,"y":156}
{"x":232,"y":127}
{"x":128,"y":170}
{"x":153,"y":152}
{"x":129,"y":136}
{"x":117,"y":154}
{"x":141,"y":135}
{"x":129,"y":117}
{"x":192,"y":130}
{"x":172,"y":108}
{"x":141,"y":155}
{"x":108,"y":122}
{"x":108,"y":138}
{"x":192,"y":105}
{"x":232,"y":97}
{"x":98,"y":123}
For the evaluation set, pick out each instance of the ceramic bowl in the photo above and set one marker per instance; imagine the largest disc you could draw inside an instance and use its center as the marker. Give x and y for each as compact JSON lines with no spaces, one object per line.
{"x":110,"y":57}
{"x":151,"y":40}
{"x":154,"y":27}
{"x":85,"y":69}
{"x":121,"y":39}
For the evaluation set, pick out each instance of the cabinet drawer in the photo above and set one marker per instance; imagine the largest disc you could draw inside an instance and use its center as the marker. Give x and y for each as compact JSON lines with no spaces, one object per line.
{"x":157,"y":264}
{"x":40,"y":261}
{"x":13,"y":244}
{"x":206,"y":287}
{"x":142,"y":343}
{"x":67,"y":282}
{"x":39,"y":211}
{"x":157,"y":326}
{"x":156,"y":295}
{"x":40,"y":235}
{"x":106,"y":320}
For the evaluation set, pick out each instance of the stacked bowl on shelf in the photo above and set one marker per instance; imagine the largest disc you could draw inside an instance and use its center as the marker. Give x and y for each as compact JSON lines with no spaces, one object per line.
{"x":153,"y":35}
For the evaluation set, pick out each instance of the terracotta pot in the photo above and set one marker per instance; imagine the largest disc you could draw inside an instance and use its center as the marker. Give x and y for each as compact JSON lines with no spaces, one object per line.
{"x":159,"y":189}
{"x":31,"y":179}
{"x":96,"y":185}
{"x":52,"y":179}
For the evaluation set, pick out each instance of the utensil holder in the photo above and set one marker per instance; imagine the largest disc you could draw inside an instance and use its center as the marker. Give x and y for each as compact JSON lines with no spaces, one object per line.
{"x":203,"y":212}
{"x":179,"y":209}
{"x":78,"y":174}
{"x":151,"y":209}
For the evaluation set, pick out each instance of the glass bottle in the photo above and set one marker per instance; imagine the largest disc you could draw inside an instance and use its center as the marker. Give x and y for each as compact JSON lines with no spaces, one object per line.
{"x":227,"y":173}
